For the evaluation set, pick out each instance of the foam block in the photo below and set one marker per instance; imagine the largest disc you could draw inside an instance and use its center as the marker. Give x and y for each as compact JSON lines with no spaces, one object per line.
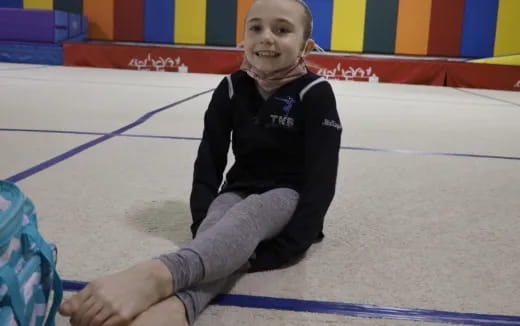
{"x":36,"y":53}
{"x":61,"y":26}
{"x":84,"y":25}
{"x":74,"y":25}
{"x":27,"y":25}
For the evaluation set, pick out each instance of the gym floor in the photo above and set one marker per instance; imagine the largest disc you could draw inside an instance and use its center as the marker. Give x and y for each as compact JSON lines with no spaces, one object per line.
{"x":426,"y":213}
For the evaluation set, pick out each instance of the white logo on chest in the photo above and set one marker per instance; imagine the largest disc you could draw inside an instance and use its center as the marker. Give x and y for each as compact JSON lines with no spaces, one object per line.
{"x":281,"y":120}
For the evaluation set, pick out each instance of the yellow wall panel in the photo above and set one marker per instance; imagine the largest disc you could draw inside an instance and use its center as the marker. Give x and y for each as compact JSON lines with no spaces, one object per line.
{"x":348,"y":25}
{"x":190,"y":21}
{"x":38,"y":4}
{"x":507,"y":39}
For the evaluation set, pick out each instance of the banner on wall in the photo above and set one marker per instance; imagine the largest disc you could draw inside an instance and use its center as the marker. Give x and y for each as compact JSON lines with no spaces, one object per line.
{"x":421,"y":72}
{"x":332,"y":67}
{"x":487,"y":76}
{"x":173,"y":59}
{"x":149,"y":58}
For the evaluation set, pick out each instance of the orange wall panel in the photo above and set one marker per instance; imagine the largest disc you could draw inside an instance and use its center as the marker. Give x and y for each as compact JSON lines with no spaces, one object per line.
{"x":101,"y":18}
{"x":242,"y":9}
{"x":413,"y":27}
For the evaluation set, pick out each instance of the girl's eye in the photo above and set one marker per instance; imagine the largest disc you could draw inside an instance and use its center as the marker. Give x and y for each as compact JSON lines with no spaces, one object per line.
{"x":283,"y":30}
{"x":255,"y":28}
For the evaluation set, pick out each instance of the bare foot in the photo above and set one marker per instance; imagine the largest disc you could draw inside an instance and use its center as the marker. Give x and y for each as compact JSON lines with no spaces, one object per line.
{"x":169,"y":312}
{"x":117,"y":299}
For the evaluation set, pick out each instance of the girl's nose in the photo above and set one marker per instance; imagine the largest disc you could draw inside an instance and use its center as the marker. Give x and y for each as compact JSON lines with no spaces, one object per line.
{"x":267,"y":37}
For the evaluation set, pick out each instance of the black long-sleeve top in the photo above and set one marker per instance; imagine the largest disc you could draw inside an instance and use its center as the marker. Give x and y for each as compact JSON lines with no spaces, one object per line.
{"x":292,"y":140}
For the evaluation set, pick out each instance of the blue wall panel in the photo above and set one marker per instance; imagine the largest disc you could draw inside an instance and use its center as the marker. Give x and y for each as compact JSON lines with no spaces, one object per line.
{"x":478,"y":30}
{"x":158,"y":20}
{"x":322,"y":13}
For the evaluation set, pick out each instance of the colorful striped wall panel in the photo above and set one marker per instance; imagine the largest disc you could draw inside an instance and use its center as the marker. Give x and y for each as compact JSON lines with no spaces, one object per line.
{"x":190,"y":22}
{"x":446,"y":27}
{"x":129,"y":20}
{"x":478,"y":31}
{"x":74,"y":6}
{"x":380,"y":26}
{"x":101,"y":18}
{"x":221,"y":17}
{"x":348,"y":25}
{"x":11,"y":3}
{"x":413,"y":27}
{"x":322,"y":14}
{"x":158,"y":21}
{"x":508,"y":28}
{"x":38,"y":4}
{"x":467,"y":28}
{"x":242,"y":9}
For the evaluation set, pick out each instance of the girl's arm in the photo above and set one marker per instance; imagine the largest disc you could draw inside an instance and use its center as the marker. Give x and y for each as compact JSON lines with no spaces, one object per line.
{"x":212,"y":154}
{"x":322,"y":143}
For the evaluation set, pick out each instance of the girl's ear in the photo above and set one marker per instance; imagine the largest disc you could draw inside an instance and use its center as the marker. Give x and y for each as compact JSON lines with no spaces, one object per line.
{"x":309,"y":46}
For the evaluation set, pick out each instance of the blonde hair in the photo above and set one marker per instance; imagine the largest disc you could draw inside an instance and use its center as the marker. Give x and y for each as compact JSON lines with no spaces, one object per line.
{"x":308,"y":20}
{"x":307,"y":23}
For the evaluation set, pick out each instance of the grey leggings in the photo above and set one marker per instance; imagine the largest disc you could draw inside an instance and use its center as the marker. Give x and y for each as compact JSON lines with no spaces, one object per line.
{"x":226,"y":239}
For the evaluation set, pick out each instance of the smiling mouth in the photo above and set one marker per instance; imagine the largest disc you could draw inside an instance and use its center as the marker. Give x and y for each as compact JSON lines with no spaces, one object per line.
{"x":267,"y":54}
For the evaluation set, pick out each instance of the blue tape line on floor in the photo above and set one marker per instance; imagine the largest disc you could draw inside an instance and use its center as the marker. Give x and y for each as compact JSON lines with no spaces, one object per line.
{"x":53,"y":161}
{"x":347,"y":309}
{"x":488,"y":97}
{"x":399,"y":151}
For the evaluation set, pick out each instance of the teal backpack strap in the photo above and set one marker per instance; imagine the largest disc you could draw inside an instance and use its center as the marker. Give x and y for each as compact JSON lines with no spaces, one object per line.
{"x":56,"y":301}
{"x":8,"y":277}
{"x":45,"y":252}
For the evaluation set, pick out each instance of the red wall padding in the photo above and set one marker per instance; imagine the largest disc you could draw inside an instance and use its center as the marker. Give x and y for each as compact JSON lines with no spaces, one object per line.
{"x":447,"y":17}
{"x":129,"y":20}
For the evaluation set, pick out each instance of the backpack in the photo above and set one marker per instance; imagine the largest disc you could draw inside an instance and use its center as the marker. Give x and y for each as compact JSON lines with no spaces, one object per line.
{"x":27,"y":264}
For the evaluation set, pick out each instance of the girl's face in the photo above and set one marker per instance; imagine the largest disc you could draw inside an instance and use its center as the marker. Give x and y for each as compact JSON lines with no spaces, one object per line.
{"x":273,"y":37}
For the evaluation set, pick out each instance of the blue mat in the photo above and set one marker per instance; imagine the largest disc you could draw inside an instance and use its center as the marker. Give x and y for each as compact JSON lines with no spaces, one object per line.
{"x":36,"y":53}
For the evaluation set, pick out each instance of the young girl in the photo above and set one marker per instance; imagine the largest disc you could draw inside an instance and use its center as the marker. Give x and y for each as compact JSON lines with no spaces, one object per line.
{"x":270,"y":209}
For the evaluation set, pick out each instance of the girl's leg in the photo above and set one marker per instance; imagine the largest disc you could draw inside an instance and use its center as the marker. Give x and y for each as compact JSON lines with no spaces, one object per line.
{"x":192,"y":300}
{"x":215,"y":253}
{"x":220,"y":250}
{"x":218,"y":209}
{"x":197,"y":298}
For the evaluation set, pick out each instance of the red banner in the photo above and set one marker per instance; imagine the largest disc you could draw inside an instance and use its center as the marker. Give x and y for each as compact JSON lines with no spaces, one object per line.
{"x":151,"y":58}
{"x":401,"y":71}
{"x":355,"y":68}
{"x":219,"y":61}
{"x":480,"y":75}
